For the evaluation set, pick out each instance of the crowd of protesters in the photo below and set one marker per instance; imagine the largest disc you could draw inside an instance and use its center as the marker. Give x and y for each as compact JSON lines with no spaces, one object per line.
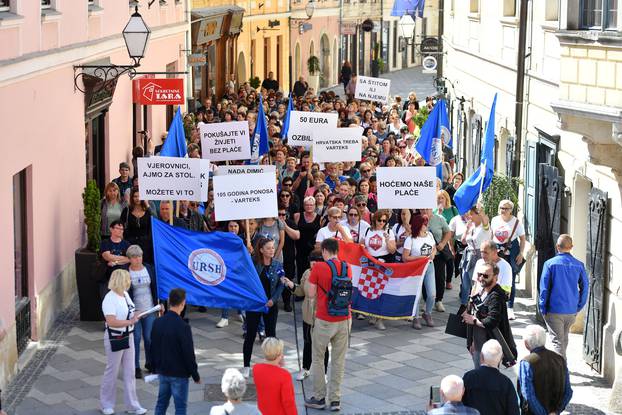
{"x":317,"y":203}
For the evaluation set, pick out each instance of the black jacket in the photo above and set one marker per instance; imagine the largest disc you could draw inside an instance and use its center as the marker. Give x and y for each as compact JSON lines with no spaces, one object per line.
{"x":490,"y":392}
{"x":493,"y":313}
{"x":172,"y":348}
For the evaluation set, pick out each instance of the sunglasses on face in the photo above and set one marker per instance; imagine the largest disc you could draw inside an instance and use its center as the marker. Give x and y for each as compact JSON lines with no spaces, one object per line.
{"x":483,"y":275}
{"x":282,"y":214}
{"x":505,"y":208}
{"x":365,"y":171}
{"x":286,"y":196}
{"x":335,"y":217}
{"x":361,"y":204}
{"x":381,"y":220}
{"x":353,"y":214}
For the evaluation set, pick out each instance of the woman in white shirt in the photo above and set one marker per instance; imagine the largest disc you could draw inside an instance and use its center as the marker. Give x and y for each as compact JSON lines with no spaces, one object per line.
{"x":357,"y":226}
{"x":402,"y":231}
{"x":118,"y":310}
{"x":379,"y":240}
{"x":457,"y":226}
{"x":477,"y":231}
{"x":421,"y":244}
{"x":233,"y":386}
{"x":509,"y":235}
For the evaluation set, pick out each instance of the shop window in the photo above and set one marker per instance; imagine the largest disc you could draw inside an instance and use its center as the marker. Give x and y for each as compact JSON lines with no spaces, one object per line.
{"x":509,"y":8}
{"x":599,"y":14}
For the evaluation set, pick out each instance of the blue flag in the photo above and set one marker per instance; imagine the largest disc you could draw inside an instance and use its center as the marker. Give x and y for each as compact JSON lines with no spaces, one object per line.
{"x":290,"y":108}
{"x":419,"y":8}
{"x":175,"y":143}
{"x":214,"y":268}
{"x":433,"y":132}
{"x":402,"y":7}
{"x":466,"y":196}
{"x":259,"y":139}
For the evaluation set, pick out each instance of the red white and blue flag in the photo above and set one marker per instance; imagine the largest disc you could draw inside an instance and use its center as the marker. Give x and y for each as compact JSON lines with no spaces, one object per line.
{"x":385,"y":290}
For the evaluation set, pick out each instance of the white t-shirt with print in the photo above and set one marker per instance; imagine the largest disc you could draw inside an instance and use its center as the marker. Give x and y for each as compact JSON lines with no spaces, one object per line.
{"x":115,"y":305}
{"x":476,"y":236}
{"x":357,"y":231}
{"x":400,"y":235}
{"x":501,"y":230}
{"x":375,"y":242}
{"x":505,"y":272}
{"x":421,"y":245}
{"x":326,"y":233}
{"x":458,"y":226}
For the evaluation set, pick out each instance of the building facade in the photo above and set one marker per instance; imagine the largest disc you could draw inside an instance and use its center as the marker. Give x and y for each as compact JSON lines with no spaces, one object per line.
{"x":570,"y":148}
{"x":55,"y":138}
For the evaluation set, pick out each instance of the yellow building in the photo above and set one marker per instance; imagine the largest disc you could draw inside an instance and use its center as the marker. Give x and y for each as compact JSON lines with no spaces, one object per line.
{"x":239,"y":38}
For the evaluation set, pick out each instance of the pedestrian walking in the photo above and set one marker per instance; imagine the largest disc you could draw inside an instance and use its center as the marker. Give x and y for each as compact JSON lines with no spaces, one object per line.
{"x":172,"y":354}
{"x":486,"y":388}
{"x":563,"y":292}
{"x":331,"y":282}
{"x":118,"y":309}
{"x":543,"y":378}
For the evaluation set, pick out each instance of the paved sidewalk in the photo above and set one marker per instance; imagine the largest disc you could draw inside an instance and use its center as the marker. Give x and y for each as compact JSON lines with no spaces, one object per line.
{"x":402,"y":82}
{"x":387,"y":372}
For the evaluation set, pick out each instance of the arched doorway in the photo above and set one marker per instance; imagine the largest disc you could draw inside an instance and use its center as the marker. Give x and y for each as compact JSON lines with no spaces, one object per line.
{"x":241,"y":71}
{"x":325,"y":61}
{"x":297,"y":62}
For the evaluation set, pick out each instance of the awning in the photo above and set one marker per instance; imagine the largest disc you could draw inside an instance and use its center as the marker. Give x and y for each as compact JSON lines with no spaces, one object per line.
{"x":200,"y":14}
{"x":207,"y":22}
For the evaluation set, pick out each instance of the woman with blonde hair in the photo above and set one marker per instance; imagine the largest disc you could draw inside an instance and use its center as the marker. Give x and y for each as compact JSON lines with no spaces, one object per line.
{"x":275,"y":391}
{"x":118,"y":309}
{"x":112,"y":206}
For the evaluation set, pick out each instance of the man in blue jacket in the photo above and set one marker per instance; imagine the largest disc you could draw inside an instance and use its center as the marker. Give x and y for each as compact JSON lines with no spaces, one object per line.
{"x":172,"y":355}
{"x":563,"y":293}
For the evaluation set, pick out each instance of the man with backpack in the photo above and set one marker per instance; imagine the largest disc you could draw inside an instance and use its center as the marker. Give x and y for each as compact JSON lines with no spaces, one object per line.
{"x":331,"y":282}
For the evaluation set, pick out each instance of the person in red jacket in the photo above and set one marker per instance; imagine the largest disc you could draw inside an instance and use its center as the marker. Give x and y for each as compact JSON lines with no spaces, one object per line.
{"x":275,"y":390}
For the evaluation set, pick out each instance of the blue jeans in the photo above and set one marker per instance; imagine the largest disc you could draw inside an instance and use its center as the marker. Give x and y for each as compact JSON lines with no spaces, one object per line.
{"x":143,"y":328}
{"x":178,"y":387}
{"x":224,"y":313}
{"x":429,"y":282}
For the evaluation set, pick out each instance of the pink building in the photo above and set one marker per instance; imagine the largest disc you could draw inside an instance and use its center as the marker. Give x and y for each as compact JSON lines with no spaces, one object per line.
{"x":54,"y":138}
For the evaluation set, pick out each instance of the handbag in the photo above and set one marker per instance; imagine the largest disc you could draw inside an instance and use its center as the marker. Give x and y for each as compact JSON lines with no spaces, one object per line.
{"x":504,"y":249}
{"x":120,"y":341}
{"x":456,"y":326}
{"x":446,"y":252}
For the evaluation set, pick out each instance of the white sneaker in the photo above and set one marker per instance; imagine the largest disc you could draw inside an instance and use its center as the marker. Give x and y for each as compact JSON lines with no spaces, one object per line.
{"x":302,"y":375}
{"x":438,"y":306}
{"x":246,"y":372}
{"x":222,"y":323}
{"x":360,"y":317}
{"x":139,"y":411}
{"x":108,"y":411}
{"x":511,"y":315}
{"x":380,"y":324}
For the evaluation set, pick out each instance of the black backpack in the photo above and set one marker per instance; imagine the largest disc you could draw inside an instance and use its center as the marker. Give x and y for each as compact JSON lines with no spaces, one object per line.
{"x":340,"y":293}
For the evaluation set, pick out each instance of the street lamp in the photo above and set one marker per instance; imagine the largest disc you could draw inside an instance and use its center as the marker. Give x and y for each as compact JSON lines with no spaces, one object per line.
{"x":136,"y":35}
{"x":407,"y":27}
{"x":310,"y":8}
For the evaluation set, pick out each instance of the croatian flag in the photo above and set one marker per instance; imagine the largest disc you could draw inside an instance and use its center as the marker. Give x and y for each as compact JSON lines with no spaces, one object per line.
{"x":390,"y":291}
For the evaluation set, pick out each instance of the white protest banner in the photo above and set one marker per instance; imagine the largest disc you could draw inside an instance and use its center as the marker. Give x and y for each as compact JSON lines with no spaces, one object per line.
{"x":303,"y":124}
{"x":406,"y":187}
{"x":372,"y":89}
{"x":337,"y":144}
{"x":246,"y":169}
{"x":169,"y":178}
{"x":204,"y":179}
{"x":225,"y":141}
{"x":245,"y":196}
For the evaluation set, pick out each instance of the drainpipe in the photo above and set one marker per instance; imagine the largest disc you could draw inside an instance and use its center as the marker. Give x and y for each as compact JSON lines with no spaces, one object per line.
{"x":520,"y":86}
{"x":441,"y":29}
{"x":289,"y":24}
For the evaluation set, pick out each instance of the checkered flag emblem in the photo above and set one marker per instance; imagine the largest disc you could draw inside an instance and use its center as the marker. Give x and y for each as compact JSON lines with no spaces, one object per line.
{"x":373,"y":279}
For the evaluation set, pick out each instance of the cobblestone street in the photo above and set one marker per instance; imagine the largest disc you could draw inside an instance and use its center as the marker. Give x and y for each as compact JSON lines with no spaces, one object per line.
{"x":387,"y":372}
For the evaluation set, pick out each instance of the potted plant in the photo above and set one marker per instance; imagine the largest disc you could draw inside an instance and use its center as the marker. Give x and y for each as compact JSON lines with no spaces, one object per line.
{"x":254,"y":81}
{"x":377,"y":63}
{"x":313,"y":66}
{"x":87,"y":276}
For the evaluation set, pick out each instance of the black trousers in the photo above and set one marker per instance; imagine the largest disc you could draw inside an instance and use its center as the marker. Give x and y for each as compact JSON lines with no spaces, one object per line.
{"x":439,"y":274}
{"x":307,"y":351}
{"x":252,"y":323}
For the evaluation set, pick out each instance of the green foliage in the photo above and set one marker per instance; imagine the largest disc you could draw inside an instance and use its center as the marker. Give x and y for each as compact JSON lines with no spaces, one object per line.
{"x":254,"y":81}
{"x":313,"y":65}
{"x":422,"y":116}
{"x":92,"y":215}
{"x":502,"y":187}
{"x":189,"y":123}
{"x":380,"y":63}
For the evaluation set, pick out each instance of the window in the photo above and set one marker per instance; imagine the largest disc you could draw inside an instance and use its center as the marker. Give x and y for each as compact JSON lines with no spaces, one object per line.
{"x":509,"y":8}
{"x":551,"y":10}
{"x":5,"y":5}
{"x":46,"y":4}
{"x":474,"y":6}
{"x":599,"y":14}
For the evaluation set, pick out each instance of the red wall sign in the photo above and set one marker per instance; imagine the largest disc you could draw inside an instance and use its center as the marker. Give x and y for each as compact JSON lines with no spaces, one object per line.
{"x":152,"y":91}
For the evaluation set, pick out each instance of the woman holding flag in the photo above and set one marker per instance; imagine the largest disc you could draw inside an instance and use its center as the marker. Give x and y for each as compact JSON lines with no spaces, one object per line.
{"x":270,"y":273}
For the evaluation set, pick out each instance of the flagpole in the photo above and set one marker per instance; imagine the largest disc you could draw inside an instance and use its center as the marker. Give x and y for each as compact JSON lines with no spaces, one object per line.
{"x":170,"y":217}
{"x":248,"y":234}
{"x":482,"y":177}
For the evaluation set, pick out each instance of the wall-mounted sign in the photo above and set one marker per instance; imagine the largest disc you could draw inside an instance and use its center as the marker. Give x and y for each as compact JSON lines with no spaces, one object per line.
{"x":209,"y":29}
{"x":196,"y":59}
{"x":429,"y":64}
{"x":348,"y":28}
{"x":235,"y":26}
{"x":153,"y":91}
{"x":367,"y":25}
{"x":429,"y":45}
